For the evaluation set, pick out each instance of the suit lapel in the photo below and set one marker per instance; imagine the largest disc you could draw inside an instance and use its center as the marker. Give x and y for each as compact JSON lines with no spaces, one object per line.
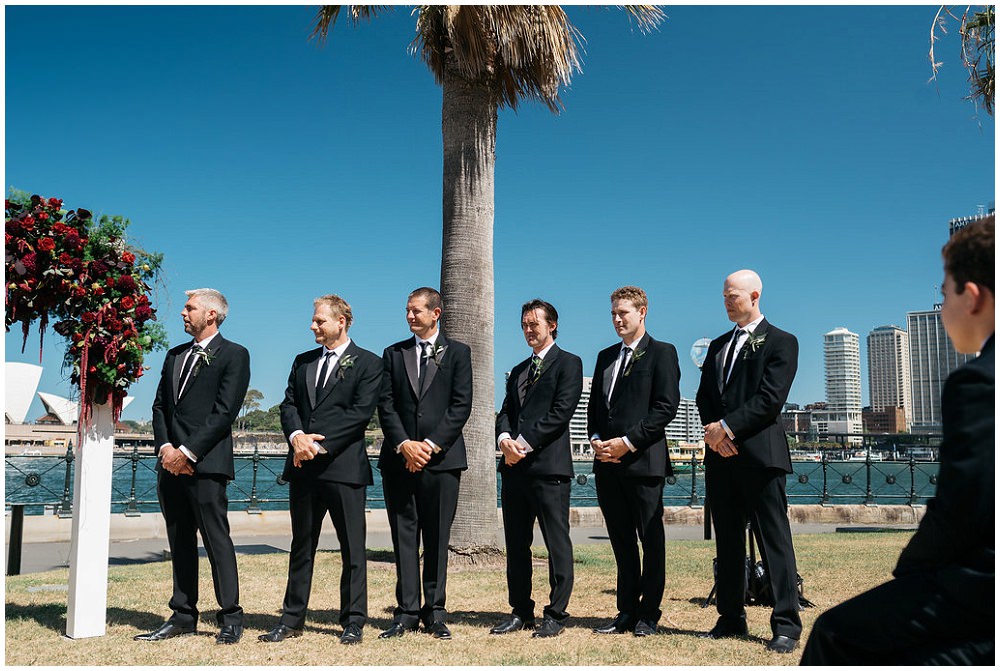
{"x":312,"y":369}
{"x":211,"y":352}
{"x":176,"y":376}
{"x":548,"y":362}
{"x":741,"y":354}
{"x":441,"y":347}
{"x":720,"y":363}
{"x":609,"y":371}
{"x":620,"y":382}
{"x":522,"y":381}
{"x":410,"y":354}
{"x":335,"y":375}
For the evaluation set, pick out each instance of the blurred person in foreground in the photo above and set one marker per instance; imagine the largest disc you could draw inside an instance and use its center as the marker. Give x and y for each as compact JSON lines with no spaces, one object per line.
{"x":939,"y":608}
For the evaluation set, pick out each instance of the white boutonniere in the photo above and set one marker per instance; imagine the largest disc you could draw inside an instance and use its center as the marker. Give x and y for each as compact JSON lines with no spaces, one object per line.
{"x":437,"y":351}
{"x":638,"y":354}
{"x":753,"y":343}
{"x":346,"y":361}
{"x":204,"y":357}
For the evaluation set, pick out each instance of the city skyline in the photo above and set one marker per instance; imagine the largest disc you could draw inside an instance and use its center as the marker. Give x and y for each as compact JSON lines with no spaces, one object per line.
{"x":276,"y":171}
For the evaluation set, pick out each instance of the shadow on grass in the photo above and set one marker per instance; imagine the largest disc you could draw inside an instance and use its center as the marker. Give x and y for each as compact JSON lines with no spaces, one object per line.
{"x":49,"y":615}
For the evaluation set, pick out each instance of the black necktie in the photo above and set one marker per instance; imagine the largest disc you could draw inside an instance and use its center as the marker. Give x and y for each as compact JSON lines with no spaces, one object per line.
{"x":323,"y":372}
{"x":425,"y":356}
{"x":730,"y":354}
{"x":535,"y":369}
{"x":621,"y":367}
{"x":188,"y":365}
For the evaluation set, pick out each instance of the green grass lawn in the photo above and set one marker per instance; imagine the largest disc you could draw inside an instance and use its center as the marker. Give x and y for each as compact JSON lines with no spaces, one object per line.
{"x":835,"y":567}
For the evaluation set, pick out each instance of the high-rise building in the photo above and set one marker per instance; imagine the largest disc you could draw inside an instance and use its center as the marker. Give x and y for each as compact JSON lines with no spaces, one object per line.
{"x":578,"y":439}
{"x":842,"y":358}
{"x":686,"y":426}
{"x":958,"y":223}
{"x":932,"y":358}
{"x":889,"y":370}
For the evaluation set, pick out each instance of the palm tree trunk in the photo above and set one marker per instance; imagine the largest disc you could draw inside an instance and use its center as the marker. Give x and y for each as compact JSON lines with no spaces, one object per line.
{"x":468,"y":128}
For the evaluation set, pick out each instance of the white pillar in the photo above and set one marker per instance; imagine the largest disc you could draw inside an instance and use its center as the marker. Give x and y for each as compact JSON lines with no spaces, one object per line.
{"x":86,"y":608}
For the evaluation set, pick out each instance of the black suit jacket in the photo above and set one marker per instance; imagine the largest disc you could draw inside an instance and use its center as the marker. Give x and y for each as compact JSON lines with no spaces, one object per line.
{"x":956,"y":535}
{"x":340,"y":413}
{"x":752,"y":402}
{"x":437,"y":413}
{"x":541,"y":413}
{"x":644,"y":402}
{"x":202,"y":418}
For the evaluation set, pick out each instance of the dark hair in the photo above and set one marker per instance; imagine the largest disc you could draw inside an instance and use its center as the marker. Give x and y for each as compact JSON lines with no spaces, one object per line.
{"x":969,"y":257}
{"x":431,"y":296}
{"x":551,"y":314}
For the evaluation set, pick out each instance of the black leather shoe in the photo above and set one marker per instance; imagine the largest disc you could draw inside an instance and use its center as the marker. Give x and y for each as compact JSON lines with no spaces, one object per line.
{"x":619,"y":625}
{"x":351,"y":635}
{"x":549,"y":629}
{"x":279,"y":634}
{"x":396,"y":630}
{"x":782,"y":644}
{"x":229,"y":634}
{"x":720,"y":631}
{"x":644,"y":628}
{"x":166,"y":630}
{"x":515,"y":623}
{"x":439,"y":630}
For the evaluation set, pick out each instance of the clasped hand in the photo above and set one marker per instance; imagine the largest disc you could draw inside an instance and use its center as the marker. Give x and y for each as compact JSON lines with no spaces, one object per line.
{"x":416,"y":453}
{"x":512,"y":452}
{"x":305,"y":447}
{"x":719,"y":441}
{"x":175,"y":461}
{"x":609,"y":451}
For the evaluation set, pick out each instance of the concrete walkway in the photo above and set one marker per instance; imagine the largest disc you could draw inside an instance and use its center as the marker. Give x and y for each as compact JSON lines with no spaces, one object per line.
{"x":49,"y":555}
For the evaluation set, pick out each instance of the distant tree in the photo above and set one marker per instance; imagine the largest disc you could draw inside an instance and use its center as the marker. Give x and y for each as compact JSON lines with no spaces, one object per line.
{"x":251,"y":402}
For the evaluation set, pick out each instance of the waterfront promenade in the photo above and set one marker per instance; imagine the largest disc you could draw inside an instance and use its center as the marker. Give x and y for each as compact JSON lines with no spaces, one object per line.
{"x":142,"y":538}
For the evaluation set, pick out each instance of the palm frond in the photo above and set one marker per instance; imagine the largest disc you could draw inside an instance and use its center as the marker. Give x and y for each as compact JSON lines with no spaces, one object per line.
{"x":646,"y":17}
{"x":327,"y":15}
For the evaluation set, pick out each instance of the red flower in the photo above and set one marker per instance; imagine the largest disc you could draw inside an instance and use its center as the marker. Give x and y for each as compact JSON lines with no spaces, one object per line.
{"x":115,"y":325}
{"x":128,"y":257}
{"x":29,"y":261}
{"x":143,"y":312}
{"x":127,"y":303}
{"x":28,"y":223}
{"x":98,"y":290}
{"x":60,"y":228}
{"x":77,"y":337}
{"x":79,"y":291}
{"x":143,"y":299}
{"x":126,"y":283}
{"x":42,"y":216}
{"x":55,"y":202}
{"x":110,"y":283}
{"x":88,"y":317}
{"x":65,"y":259}
{"x":46,"y":244}
{"x":7,"y":237}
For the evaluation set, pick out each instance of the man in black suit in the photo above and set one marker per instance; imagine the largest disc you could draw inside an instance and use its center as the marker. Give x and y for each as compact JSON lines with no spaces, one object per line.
{"x":536,"y":469}
{"x":636,"y":391}
{"x":202,"y":387}
{"x":940,"y":607}
{"x":745,"y":380}
{"x":426,"y":400}
{"x":331,"y":396}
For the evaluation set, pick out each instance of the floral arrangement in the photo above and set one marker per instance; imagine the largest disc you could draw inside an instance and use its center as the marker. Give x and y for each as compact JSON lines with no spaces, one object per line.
{"x":62,"y":266}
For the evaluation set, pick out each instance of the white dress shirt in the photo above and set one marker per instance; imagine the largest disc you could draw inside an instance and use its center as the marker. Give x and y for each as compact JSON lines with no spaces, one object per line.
{"x":520,"y":438}
{"x":741,"y":340}
{"x":338,"y":352}
{"x":204,"y":345}
{"x":614,"y":380}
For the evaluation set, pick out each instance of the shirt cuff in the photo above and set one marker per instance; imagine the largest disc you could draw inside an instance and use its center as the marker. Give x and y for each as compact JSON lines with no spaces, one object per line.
{"x":434,"y":447}
{"x":294,"y":433}
{"x":725,"y":427}
{"x":594,"y":437}
{"x":399,"y":448}
{"x":628,"y":444}
{"x":188,"y":453}
{"x":502,"y":437}
{"x":524,"y":444}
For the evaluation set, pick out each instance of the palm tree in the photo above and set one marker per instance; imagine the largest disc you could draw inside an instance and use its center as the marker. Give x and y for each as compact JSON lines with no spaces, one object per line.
{"x":485,"y":57}
{"x":976,"y":27}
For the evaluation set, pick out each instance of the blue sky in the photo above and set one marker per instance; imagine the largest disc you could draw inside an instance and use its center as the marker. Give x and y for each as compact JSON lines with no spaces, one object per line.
{"x":803,"y":142}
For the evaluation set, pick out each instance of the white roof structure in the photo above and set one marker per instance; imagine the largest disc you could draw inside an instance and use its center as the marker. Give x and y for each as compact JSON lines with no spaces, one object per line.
{"x":21,"y":383}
